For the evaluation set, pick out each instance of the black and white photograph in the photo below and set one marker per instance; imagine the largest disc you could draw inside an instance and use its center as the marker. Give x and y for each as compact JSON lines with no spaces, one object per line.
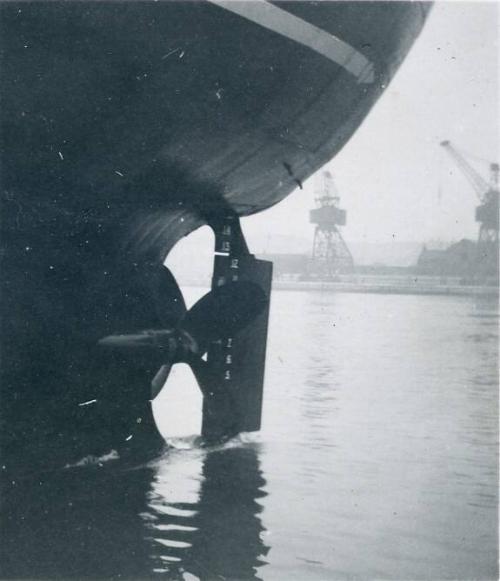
{"x":249,"y":290}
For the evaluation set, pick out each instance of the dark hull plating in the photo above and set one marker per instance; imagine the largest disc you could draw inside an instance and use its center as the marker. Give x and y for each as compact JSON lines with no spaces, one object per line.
{"x":124,"y":127}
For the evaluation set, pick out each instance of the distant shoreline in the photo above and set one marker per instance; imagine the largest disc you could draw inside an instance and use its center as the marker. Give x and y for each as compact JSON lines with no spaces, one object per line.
{"x":377,"y":286}
{"x":389,"y":288}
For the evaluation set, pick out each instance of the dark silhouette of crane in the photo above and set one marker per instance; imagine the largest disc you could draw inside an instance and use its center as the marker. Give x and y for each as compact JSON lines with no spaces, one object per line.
{"x":330,"y":255}
{"x":486,"y":212}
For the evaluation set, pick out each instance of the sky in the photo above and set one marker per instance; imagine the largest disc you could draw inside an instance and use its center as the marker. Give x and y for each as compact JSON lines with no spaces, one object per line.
{"x":394,"y":180}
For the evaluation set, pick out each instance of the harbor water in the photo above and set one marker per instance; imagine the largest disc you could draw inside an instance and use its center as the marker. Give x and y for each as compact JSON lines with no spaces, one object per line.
{"x":377,"y":460}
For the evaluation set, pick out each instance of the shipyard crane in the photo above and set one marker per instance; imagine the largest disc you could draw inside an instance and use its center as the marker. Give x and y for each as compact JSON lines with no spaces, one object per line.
{"x":330,"y":255}
{"x":486,"y":212}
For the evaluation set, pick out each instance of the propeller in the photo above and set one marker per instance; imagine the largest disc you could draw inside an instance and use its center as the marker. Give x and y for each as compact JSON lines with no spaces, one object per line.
{"x":186,"y":335}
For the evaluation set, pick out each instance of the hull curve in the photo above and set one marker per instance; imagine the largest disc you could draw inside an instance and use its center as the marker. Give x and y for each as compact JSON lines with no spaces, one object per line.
{"x":124,"y":127}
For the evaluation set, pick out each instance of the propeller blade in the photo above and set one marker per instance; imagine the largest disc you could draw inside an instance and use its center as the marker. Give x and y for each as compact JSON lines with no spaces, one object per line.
{"x":168,"y":300}
{"x":126,"y":341}
{"x":203,"y":375}
{"x":160,"y":379}
{"x":163,"y":339}
{"x":223,"y":312}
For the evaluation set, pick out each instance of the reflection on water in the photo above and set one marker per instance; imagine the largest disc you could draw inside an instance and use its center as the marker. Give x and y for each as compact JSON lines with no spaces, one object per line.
{"x":377,"y":460}
{"x":189,"y":512}
{"x":75,"y":523}
{"x":208,"y":524}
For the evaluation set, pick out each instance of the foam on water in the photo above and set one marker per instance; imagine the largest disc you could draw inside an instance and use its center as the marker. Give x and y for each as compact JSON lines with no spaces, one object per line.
{"x":92,"y":460}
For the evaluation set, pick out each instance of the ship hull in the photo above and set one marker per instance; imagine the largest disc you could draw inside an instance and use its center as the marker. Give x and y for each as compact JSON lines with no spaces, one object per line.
{"x":124,"y":127}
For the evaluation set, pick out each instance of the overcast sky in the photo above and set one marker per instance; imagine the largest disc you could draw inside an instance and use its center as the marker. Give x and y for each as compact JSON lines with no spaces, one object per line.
{"x":395,"y":181}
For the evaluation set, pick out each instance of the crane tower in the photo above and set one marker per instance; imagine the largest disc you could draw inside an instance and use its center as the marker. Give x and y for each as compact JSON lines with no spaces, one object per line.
{"x":330,"y":254}
{"x":486,"y":212}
